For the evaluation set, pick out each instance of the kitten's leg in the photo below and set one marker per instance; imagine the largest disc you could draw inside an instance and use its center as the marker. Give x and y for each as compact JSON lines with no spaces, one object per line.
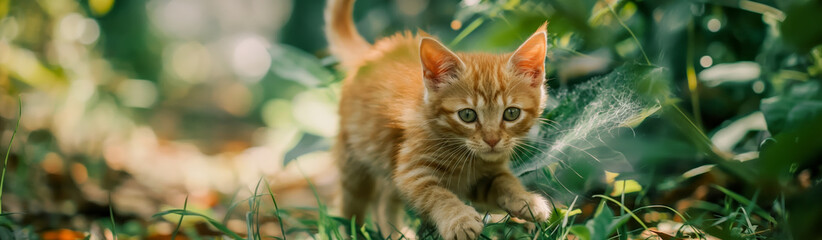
{"x":390,"y":215}
{"x":358,"y":190}
{"x":419,"y":185}
{"x":506,"y":191}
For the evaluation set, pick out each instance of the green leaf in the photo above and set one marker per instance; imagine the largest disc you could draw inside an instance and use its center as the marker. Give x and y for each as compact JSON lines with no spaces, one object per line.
{"x":308,"y":143}
{"x":624,"y":187}
{"x":599,"y":225}
{"x":293,"y":64}
{"x":796,"y":28}
{"x":581,"y":232}
{"x":802,"y":103}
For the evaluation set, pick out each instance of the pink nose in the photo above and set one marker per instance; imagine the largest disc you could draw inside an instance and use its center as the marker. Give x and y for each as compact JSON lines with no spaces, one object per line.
{"x":491,"y":141}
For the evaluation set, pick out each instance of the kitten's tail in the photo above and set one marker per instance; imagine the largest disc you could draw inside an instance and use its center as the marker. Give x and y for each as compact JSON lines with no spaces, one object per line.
{"x":343,"y":39}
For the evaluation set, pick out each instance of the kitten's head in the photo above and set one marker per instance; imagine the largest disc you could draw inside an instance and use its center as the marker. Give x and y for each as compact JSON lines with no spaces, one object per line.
{"x":485,"y":102}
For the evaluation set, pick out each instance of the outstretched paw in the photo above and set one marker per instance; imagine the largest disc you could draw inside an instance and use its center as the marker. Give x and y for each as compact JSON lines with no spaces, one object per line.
{"x":531,"y":206}
{"x":466,"y":225}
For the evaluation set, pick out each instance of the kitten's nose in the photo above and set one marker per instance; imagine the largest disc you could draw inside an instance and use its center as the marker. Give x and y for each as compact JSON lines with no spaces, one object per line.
{"x":491,"y":141}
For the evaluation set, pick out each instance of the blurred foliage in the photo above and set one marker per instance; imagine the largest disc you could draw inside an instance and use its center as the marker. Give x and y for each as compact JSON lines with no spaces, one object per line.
{"x":666,"y":119}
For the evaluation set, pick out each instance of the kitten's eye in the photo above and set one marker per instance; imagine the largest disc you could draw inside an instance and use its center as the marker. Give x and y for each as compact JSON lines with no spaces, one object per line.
{"x":510,"y":114}
{"x":467,"y":115}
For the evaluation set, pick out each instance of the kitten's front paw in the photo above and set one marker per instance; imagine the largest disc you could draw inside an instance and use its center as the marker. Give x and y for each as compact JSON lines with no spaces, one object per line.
{"x":466,"y":225}
{"x":530,"y":206}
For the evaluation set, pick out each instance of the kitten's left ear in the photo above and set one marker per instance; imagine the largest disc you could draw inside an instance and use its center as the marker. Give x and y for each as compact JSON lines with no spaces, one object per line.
{"x":439,"y":65}
{"x":529,"y":59}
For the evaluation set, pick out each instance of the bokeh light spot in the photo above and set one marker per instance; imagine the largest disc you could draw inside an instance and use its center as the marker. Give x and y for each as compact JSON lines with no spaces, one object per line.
{"x":714,"y":25}
{"x":9,"y":28}
{"x":234,"y":98}
{"x":277,"y":113}
{"x":100,"y":7}
{"x":190,"y":61}
{"x":456,"y":24}
{"x":315,"y":112}
{"x":74,"y":27}
{"x":179,"y":18}
{"x":91,"y":31}
{"x":137,"y":93}
{"x":52,"y":163}
{"x":71,"y":27}
{"x":706,"y":61}
{"x":470,"y":2}
{"x":79,"y":173}
{"x":758,"y":86}
{"x":250,"y":58}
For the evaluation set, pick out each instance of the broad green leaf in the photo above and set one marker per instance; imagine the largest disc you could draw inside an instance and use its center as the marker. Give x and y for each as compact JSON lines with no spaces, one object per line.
{"x":801,"y":103}
{"x":599,"y":225}
{"x":309,"y":143}
{"x":293,"y":64}
{"x":581,"y":232}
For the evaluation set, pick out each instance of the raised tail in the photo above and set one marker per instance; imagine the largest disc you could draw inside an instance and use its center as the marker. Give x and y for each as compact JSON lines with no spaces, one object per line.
{"x":343,"y":39}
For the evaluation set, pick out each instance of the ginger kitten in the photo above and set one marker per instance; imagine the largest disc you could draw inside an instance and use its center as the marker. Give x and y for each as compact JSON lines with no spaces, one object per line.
{"x":424,"y":126}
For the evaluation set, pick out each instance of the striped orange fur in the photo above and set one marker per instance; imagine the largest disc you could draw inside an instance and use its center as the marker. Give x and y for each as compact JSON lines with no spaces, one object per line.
{"x":402,"y":139}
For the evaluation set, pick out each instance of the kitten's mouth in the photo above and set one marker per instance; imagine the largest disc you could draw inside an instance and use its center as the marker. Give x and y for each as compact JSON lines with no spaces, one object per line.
{"x":493,"y":152}
{"x":492,"y":155}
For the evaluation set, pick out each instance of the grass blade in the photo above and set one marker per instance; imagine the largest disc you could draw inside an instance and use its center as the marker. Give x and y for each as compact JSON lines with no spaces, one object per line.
{"x":636,"y":40}
{"x":277,"y":211}
{"x":745,"y":201}
{"x":638,"y":220}
{"x":219,"y":226}
{"x":179,"y":223}
{"x":111,"y":216}
{"x":685,"y":220}
{"x":324,"y":222}
{"x":464,"y":33}
{"x":690,"y":73}
{"x":353,"y":224}
{"x":8,"y":150}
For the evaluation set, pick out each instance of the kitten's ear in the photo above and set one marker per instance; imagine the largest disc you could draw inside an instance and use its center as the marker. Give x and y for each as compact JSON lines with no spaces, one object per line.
{"x":439,"y":65}
{"x":529,"y":59}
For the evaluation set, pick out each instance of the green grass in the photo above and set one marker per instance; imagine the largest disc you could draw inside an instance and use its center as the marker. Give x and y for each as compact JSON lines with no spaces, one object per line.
{"x":733,"y":221}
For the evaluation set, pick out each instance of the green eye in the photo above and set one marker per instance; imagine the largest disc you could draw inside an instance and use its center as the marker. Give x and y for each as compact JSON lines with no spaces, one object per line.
{"x":511,"y":114}
{"x":467,"y":115}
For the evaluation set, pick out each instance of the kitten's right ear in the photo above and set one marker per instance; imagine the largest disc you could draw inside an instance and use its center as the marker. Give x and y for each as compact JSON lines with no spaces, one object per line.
{"x":439,"y":65}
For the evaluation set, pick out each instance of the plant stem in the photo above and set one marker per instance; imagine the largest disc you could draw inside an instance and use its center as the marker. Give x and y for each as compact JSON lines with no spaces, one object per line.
{"x":691,"y":74}
{"x":636,"y":40}
{"x":8,"y":150}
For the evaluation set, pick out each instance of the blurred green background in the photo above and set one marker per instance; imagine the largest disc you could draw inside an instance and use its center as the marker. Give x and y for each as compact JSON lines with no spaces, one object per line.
{"x":712,"y":108}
